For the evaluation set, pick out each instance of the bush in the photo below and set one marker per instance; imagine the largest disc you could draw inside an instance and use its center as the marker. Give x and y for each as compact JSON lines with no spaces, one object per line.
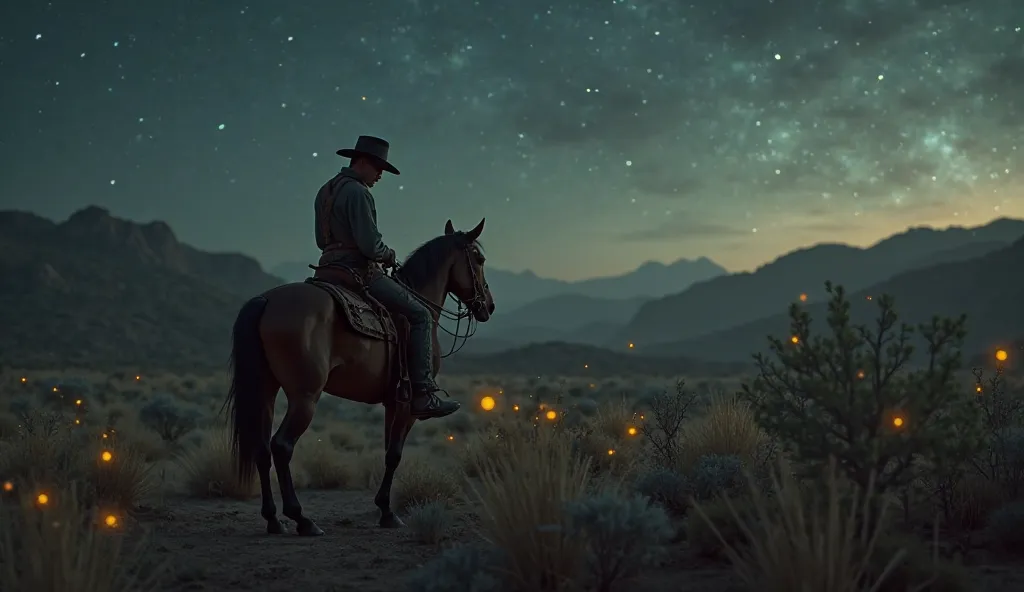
{"x":849,"y":394}
{"x":717,"y":527}
{"x":726,"y":428}
{"x":59,"y":547}
{"x":800,"y":542}
{"x":430,"y":522}
{"x":917,"y":569}
{"x":522,"y":495}
{"x":420,"y":481}
{"x":667,"y":488}
{"x":164,"y":416}
{"x":323,"y":466}
{"x":210,"y":470}
{"x":461,"y":569}
{"x":1006,"y":526}
{"x":622,"y":536}
{"x":716,"y":475}
{"x":663,"y":432}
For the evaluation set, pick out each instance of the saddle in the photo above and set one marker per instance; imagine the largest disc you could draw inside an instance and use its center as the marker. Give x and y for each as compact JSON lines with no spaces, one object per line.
{"x":369,"y":318}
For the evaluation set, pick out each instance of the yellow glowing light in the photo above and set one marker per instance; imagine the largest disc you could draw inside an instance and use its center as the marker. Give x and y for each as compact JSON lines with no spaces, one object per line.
{"x":897,"y":421}
{"x":631,"y":431}
{"x":515,"y":408}
{"x":1001,"y":355}
{"x":42,"y":499}
{"x":105,"y":436}
{"x":55,"y":389}
{"x":23,"y":380}
{"x":795,"y":339}
{"x":869,"y":298}
{"x":110,"y":520}
{"x":106,"y":456}
{"x":631,"y":346}
{"x":78,"y":401}
{"x":586,"y":365}
{"x":487,"y":403}
{"x":77,"y":421}
{"x":860,"y":374}
{"x":8,"y":486}
{"x":451,"y":437}
{"x":137,"y":377}
{"x":611,"y":452}
{"x":977,"y":388}
{"x":641,"y":416}
{"x":803,"y":298}
{"x":552,"y":415}
{"x":592,"y":385}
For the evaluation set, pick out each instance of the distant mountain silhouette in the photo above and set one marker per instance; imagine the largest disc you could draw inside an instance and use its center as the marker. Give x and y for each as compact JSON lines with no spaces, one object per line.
{"x":729,"y":301}
{"x":98,"y":289}
{"x":988,"y":289}
{"x":513,"y":290}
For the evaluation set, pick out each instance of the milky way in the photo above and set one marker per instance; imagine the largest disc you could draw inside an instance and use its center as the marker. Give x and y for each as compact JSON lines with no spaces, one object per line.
{"x":592,"y":135}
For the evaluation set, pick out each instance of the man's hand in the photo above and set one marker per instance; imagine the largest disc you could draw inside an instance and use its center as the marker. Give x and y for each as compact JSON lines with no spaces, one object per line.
{"x":390,"y":259}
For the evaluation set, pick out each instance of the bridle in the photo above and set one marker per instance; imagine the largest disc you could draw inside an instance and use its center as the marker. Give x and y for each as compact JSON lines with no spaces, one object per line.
{"x":465,"y":309}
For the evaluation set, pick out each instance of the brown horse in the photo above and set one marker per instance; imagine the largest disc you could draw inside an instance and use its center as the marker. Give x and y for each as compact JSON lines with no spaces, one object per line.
{"x":294,"y":337}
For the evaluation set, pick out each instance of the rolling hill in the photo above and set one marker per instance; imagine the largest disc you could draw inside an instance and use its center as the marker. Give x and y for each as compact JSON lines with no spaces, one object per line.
{"x":728,"y":301}
{"x":989,"y":289}
{"x":96,"y":289}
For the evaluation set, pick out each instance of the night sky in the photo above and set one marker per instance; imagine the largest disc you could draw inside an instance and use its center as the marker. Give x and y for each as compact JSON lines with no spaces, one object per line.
{"x":593,"y":135}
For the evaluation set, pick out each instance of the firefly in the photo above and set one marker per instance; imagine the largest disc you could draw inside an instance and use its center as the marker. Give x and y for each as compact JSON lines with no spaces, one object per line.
{"x":631,"y":431}
{"x":42,"y":499}
{"x":106,"y":456}
{"x":8,"y":486}
{"x":1001,"y":355}
{"x":795,"y":339}
{"x":803,"y":298}
{"x":487,"y":403}
{"x":551,"y":414}
{"x":897,"y":421}
{"x":110,"y":520}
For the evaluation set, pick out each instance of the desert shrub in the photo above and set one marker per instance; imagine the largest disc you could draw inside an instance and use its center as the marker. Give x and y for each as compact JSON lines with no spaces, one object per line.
{"x":851,"y":394}
{"x":1006,"y":526}
{"x":522,"y":496}
{"x":60,"y":547}
{"x":120,"y":480}
{"x":667,"y":488}
{"x":45,"y":451}
{"x":322,"y":465}
{"x":1001,"y":459}
{"x":622,"y":536}
{"x":715,"y":475}
{"x":918,"y":567}
{"x":663,"y":426}
{"x":470,"y":568}
{"x":167,"y":418}
{"x":429,"y":522}
{"x":210,"y":471}
{"x":717,"y":528}
{"x":419,"y":481}
{"x":726,"y":428}
{"x":808,"y":542}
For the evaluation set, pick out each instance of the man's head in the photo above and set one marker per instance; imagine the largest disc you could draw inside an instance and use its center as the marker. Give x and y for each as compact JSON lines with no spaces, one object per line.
{"x":368,"y":168}
{"x":369,"y":159}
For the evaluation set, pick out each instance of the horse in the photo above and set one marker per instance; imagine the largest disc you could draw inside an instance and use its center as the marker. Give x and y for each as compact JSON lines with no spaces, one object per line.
{"x":296,"y":338}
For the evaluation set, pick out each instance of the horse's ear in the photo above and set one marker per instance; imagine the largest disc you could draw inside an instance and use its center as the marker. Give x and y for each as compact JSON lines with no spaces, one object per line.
{"x":448,"y":228}
{"x":476,"y":232}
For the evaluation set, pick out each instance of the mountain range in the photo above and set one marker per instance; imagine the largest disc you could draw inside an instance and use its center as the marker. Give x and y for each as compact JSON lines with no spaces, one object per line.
{"x":99,"y":290}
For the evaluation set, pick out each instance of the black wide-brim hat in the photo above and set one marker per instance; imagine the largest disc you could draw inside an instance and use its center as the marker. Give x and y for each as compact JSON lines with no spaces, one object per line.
{"x":374,"y":148}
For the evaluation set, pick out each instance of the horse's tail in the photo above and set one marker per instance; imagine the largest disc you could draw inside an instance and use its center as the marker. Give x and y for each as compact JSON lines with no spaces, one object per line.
{"x":250,"y":374}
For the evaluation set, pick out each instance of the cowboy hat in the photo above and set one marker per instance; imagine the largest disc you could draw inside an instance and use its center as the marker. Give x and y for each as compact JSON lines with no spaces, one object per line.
{"x":374,"y":148}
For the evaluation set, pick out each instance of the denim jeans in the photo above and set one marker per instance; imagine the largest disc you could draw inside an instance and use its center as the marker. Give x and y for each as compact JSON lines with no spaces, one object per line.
{"x":397,"y":299}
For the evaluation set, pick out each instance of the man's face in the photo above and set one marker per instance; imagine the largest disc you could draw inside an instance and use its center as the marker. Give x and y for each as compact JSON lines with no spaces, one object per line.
{"x":371,"y":172}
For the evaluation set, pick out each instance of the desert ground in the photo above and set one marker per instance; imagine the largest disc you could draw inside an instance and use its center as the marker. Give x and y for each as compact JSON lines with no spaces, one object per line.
{"x":123,"y":480}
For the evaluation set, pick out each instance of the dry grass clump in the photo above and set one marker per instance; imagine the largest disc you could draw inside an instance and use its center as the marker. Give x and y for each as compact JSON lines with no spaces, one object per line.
{"x":210,"y":470}
{"x":430,"y":522}
{"x":323,"y":466}
{"x":119,"y":475}
{"x":727,"y":428}
{"x":523,"y":494}
{"x":420,"y":481}
{"x":799,"y":541}
{"x":61,"y":546}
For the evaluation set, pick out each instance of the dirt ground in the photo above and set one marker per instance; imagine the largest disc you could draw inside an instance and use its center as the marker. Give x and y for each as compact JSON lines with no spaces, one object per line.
{"x":221,"y":545}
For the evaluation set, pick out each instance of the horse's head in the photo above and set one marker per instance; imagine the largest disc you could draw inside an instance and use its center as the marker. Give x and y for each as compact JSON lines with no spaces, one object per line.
{"x":466,"y":278}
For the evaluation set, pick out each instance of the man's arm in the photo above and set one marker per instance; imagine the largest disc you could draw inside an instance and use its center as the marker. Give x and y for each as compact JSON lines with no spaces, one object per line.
{"x":359,"y":213}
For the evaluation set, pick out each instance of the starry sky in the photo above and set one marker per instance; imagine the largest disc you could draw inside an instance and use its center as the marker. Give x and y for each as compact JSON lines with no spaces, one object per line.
{"x":594,"y":135}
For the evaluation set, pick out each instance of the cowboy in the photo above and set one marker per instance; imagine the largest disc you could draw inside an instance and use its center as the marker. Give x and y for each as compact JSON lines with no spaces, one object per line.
{"x":346,"y":232}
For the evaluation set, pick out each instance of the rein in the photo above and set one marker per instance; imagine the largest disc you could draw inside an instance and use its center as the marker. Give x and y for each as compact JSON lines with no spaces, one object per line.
{"x":441,"y":311}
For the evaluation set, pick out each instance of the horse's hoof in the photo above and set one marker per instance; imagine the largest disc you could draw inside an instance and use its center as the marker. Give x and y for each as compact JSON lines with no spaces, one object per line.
{"x":308,"y":528}
{"x":391,"y":521}
{"x":274,"y":527}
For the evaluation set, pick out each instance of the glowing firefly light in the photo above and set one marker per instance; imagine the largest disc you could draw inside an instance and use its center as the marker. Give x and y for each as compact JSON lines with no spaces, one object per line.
{"x":110,"y":520}
{"x":794,"y":339}
{"x":803,"y":298}
{"x":78,"y":402}
{"x":8,"y":486}
{"x":631,"y":345}
{"x":860,"y":374}
{"x":106,"y":456}
{"x":515,"y":408}
{"x":23,"y":380}
{"x":551,"y":415}
{"x":42,"y":499}
{"x":487,"y":403}
{"x":897,"y":421}
{"x":631,"y":431}
{"x":451,"y":437}
{"x":1001,"y":355}
{"x":611,"y":452}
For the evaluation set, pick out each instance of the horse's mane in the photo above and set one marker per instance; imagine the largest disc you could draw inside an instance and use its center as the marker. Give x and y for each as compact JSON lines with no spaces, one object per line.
{"x":421,"y":265}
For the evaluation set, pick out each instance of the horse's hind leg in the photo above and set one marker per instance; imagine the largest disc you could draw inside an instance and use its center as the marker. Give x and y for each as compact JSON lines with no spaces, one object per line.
{"x":301,"y":407}
{"x":263,"y":461}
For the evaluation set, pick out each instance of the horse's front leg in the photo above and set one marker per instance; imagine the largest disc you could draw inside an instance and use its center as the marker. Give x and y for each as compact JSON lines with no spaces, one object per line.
{"x":397,"y":424}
